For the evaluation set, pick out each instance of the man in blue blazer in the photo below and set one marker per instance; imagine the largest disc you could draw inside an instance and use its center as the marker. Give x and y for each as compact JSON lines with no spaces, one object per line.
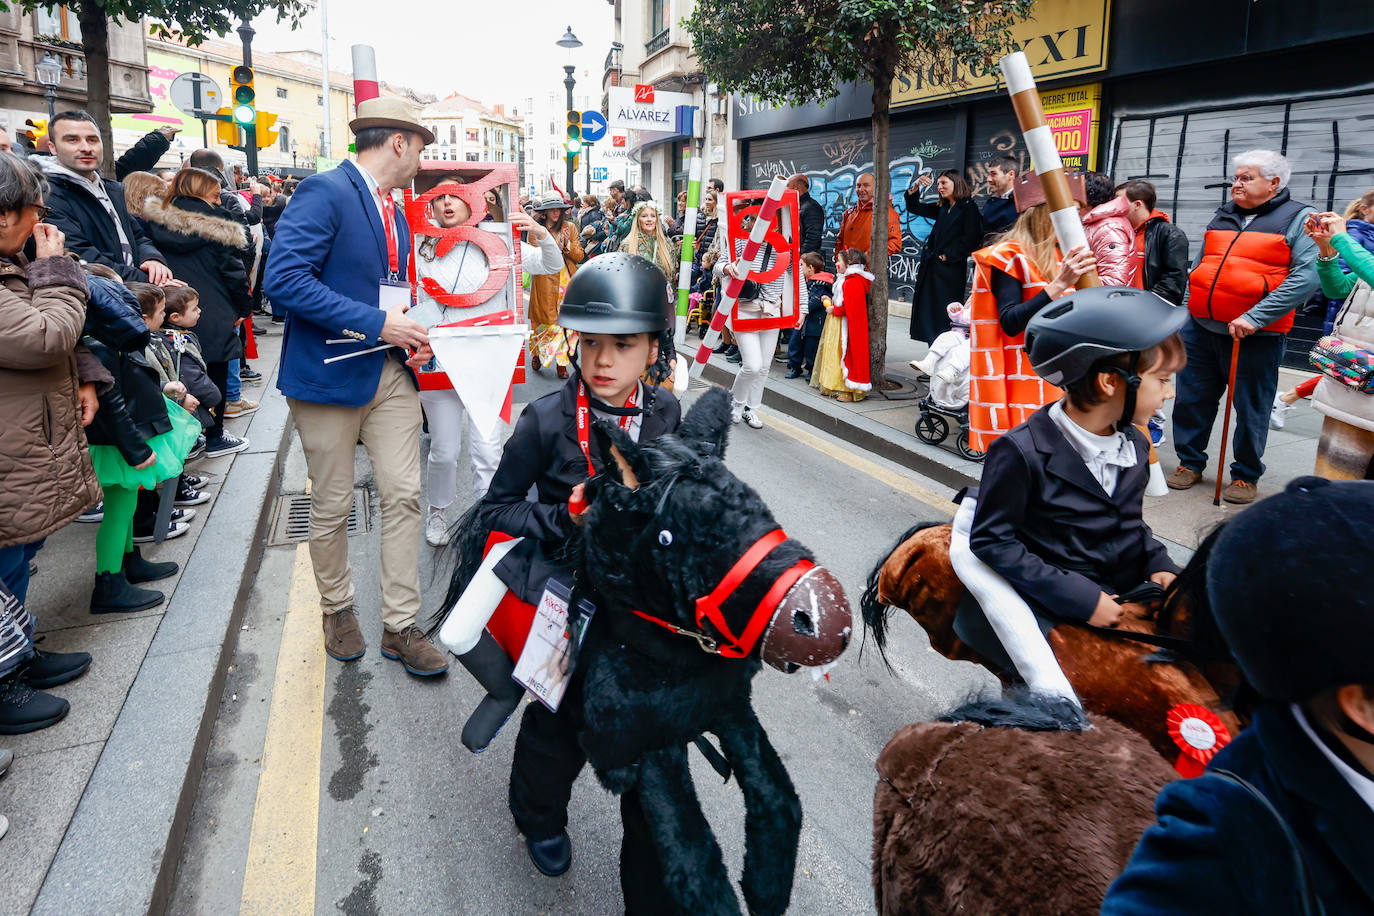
{"x":339,"y":269}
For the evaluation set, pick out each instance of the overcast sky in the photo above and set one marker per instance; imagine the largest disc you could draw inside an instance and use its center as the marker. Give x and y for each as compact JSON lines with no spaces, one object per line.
{"x":493,"y":50}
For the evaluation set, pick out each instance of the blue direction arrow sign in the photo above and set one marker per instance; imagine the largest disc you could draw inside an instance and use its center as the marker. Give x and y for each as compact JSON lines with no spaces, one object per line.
{"x":593,"y":126}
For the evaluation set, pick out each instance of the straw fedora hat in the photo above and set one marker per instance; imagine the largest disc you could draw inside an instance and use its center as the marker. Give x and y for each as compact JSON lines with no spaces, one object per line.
{"x":381,"y":112}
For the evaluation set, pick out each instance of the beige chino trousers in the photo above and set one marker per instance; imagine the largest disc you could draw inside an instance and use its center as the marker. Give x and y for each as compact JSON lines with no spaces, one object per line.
{"x":389,"y":428}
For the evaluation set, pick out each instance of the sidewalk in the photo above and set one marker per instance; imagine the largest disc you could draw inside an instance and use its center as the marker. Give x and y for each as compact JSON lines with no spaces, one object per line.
{"x":886,"y":427}
{"x":96,"y":801}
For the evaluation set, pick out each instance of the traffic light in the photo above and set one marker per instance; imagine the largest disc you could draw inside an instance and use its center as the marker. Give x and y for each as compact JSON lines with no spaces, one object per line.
{"x":265,"y":134}
{"x":243,"y":95}
{"x":34,"y":128}
{"x":574,"y":144}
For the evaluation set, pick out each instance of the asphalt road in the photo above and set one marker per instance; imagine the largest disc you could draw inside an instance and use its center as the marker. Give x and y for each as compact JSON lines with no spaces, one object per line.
{"x":404,"y":819}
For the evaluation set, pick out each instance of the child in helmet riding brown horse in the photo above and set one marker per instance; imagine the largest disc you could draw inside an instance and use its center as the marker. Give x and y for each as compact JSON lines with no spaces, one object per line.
{"x":1056,"y":532}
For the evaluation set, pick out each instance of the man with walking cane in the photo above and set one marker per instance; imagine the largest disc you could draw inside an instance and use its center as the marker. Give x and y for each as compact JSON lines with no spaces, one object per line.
{"x":1256,"y":267}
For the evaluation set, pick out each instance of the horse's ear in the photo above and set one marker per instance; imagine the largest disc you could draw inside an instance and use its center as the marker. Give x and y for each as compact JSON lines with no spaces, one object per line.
{"x":619,"y":453}
{"x":706,"y":427}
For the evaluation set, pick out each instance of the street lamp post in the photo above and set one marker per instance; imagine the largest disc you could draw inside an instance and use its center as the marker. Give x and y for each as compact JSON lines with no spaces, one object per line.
{"x":569,"y":41}
{"x":49,"y":73}
{"x":293,"y":154}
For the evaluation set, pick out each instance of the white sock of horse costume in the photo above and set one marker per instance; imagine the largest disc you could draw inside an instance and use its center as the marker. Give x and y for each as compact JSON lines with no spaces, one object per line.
{"x":1012,"y":619}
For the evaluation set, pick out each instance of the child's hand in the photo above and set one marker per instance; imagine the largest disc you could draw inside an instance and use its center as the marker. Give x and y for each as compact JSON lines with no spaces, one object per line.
{"x":1163,"y":578}
{"x":147,"y":463}
{"x":190,"y":402}
{"x":175,"y":391}
{"x":1107,"y":613}
{"x":90,"y":402}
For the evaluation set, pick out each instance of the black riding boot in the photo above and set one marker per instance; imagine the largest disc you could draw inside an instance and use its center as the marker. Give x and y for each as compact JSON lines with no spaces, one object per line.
{"x":492,"y":668}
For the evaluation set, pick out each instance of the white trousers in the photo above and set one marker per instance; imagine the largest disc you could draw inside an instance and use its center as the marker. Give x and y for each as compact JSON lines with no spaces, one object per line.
{"x":1012,"y":619}
{"x":444,"y":410}
{"x":756,"y":356}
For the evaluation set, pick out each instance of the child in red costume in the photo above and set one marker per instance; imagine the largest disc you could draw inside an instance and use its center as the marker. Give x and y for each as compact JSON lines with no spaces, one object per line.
{"x":847,"y":377}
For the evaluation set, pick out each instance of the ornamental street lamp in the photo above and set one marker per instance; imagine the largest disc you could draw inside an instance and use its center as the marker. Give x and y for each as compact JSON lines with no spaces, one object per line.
{"x":293,"y":153}
{"x":569,"y":41}
{"x":49,"y":72}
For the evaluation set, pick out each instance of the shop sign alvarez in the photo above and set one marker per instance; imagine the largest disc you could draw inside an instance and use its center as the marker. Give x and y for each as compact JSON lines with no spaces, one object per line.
{"x":659,"y":113}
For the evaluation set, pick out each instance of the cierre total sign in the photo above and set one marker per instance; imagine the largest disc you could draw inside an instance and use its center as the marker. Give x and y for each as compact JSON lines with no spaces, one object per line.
{"x":658,"y":115}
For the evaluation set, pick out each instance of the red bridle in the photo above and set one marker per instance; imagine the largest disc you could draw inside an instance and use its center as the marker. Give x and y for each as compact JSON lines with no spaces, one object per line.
{"x":708,"y":609}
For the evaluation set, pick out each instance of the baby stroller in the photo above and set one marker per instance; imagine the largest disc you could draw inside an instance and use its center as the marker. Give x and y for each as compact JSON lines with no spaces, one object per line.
{"x":947,"y":364}
{"x":933,"y":426}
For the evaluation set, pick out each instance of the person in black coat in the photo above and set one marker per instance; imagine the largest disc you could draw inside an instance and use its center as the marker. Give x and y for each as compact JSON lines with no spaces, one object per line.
{"x":806,"y":340}
{"x":143,"y":155}
{"x":1289,"y":804}
{"x":202,"y":243}
{"x":943,"y":268}
{"x":811,"y":215}
{"x":89,"y":209}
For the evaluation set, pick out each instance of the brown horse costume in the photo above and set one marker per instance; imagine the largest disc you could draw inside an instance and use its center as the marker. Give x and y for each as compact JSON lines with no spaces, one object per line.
{"x":975,"y":819}
{"x":1133,"y":682}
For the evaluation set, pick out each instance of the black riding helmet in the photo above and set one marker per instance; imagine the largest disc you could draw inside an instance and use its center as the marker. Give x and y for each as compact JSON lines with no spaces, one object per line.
{"x":616,"y":293}
{"x":1287,"y":582}
{"x":1068,"y":337}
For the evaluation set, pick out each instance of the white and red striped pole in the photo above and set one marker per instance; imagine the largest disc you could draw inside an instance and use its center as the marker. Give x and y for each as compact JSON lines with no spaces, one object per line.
{"x":729,"y":293}
{"x":365,"y":85}
{"x":1030,"y":115}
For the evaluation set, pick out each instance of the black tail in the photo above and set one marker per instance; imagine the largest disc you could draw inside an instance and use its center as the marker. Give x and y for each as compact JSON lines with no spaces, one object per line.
{"x":465,"y":549}
{"x":876,"y":614}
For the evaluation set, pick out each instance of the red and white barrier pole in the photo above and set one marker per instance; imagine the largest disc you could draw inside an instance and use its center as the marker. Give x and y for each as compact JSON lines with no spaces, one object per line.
{"x":365,"y":85}
{"x":729,"y":293}
{"x":1030,"y":115}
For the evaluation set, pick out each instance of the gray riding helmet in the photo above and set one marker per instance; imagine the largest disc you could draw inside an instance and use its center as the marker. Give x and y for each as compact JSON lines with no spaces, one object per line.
{"x":1068,"y":336}
{"x":616,"y":293}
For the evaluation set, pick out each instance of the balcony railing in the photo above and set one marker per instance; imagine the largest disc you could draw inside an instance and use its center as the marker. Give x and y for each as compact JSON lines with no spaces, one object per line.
{"x":657,"y":43}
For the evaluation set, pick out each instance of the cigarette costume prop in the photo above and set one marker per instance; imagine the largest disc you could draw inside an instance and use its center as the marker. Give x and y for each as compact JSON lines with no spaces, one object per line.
{"x":1030,"y":115}
{"x":729,"y":295}
{"x":365,"y":85}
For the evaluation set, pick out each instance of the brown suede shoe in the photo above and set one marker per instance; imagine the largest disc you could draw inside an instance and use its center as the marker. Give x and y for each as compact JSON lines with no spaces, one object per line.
{"x":1183,"y":478}
{"x":342,"y":638}
{"x":412,"y":649}
{"x":1240,"y":492}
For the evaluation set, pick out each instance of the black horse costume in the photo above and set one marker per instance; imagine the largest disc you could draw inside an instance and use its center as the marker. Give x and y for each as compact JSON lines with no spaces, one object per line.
{"x":695,"y":586}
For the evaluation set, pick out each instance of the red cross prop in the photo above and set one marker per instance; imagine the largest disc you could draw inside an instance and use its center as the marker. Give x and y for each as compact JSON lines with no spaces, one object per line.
{"x":783,"y":235}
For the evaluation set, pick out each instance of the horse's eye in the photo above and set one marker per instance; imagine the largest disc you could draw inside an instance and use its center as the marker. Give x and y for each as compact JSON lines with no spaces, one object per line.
{"x":665,"y":538}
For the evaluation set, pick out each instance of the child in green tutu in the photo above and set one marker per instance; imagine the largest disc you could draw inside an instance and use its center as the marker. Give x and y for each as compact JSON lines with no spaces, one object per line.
{"x":138,"y":439}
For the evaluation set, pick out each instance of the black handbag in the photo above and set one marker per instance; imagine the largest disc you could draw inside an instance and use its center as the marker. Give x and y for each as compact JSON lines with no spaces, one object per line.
{"x":752,"y":289}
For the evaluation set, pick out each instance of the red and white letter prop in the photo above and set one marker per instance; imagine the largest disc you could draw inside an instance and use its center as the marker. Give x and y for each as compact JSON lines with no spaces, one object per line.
{"x":1030,"y":115}
{"x":481,"y":356}
{"x":767,"y":231}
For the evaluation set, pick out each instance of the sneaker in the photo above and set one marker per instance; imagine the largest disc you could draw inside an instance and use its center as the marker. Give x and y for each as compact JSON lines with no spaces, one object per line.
{"x":1240,"y":492}
{"x":240,"y":408}
{"x":278,"y":319}
{"x":194,"y":482}
{"x":436,"y":528}
{"x":259,"y":330}
{"x":414,"y":651}
{"x":93,"y":514}
{"x":174,"y":530}
{"x":721,"y":347}
{"x":188,"y":495}
{"x":197,"y":450}
{"x":732,"y":356}
{"x":1278,"y":415}
{"x":225,"y":445}
{"x":23,"y":709}
{"x":251,"y":382}
{"x":736,"y":412}
{"x":1183,"y":478}
{"x":752,"y":419}
{"x":793,"y":373}
{"x":49,"y":669}
{"x":114,"y":595}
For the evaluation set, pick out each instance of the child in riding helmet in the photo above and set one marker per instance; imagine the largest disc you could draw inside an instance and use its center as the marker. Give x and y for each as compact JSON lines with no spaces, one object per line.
{"x":1056,"y":531}
{"x":615,"y":304}
{"x":1282,"y":821}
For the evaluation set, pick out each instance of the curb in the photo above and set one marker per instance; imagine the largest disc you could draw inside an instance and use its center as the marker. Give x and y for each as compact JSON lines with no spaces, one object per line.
{"x":861,"y":432}
{"x":120,"y":852}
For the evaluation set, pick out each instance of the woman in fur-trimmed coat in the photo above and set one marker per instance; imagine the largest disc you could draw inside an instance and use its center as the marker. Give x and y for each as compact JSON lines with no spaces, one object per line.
{"x":202,"y":243}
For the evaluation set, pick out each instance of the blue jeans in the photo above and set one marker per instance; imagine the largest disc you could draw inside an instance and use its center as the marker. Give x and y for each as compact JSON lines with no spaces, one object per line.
{"x":14,"y":568}
{"x":1202,"y":390}
{"x":233,"y":389}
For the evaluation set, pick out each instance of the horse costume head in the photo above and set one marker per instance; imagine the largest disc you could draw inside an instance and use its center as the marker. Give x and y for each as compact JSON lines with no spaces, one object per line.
{"x":693,"y":552}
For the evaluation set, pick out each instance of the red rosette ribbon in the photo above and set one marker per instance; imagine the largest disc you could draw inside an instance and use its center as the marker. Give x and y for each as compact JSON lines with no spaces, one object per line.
{"x":1199,"y":734}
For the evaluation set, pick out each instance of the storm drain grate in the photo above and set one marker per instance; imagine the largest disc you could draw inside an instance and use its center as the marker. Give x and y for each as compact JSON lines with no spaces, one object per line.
{"x":293,"y":517}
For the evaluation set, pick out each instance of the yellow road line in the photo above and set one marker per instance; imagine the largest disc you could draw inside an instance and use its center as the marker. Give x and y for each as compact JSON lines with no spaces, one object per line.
{"x":279,"y":877}
{"x":935,"y":500}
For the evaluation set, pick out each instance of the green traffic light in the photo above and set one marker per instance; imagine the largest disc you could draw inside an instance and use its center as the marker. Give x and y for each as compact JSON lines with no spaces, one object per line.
{"x":244,"y":114}
{"x":573,"y":147}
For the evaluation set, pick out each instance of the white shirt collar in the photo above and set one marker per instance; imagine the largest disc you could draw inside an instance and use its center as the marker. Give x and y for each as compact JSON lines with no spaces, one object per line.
{"x":372,"y":188}
{"x":1363,"y":785}
{"x":1105,"y":456}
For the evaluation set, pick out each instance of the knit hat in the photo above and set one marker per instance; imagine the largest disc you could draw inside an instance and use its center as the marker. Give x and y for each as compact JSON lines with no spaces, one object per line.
{"x":1288,"y":582}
